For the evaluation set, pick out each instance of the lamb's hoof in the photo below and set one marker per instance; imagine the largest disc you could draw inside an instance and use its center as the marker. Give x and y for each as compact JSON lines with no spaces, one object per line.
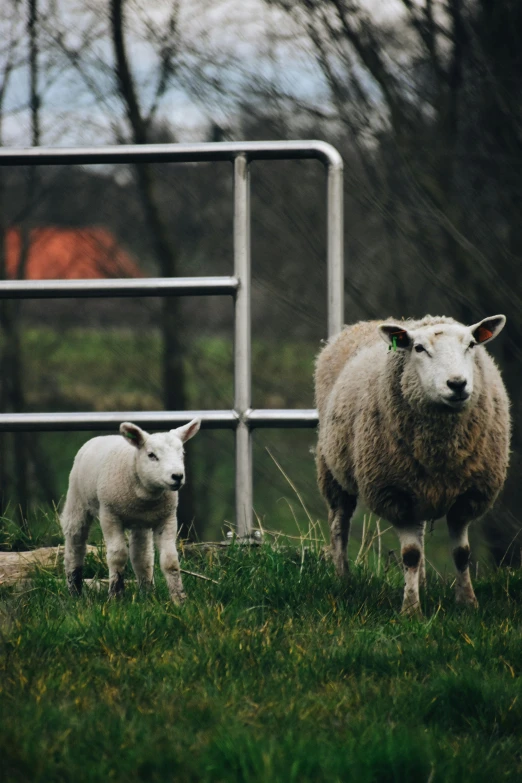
{"x":178,"y":598}
{"x":75,"y":582}
{"x":145,"y":586}
{"x":116,"y":587}
{"x":116,"y":594}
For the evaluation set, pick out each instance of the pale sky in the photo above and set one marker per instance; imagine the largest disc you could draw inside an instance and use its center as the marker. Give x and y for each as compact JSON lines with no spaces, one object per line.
{"x":217,"y":30}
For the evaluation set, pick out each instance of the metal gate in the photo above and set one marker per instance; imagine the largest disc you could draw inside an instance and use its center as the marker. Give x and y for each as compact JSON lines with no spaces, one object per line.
{"x":243,"y":419}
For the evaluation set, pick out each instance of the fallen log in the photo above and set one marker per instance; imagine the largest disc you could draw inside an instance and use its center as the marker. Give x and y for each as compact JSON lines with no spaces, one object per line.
{"x":16,"y":566}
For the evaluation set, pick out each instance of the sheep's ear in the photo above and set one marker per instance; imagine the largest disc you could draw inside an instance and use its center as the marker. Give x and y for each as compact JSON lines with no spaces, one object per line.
{"x":487,"y":329}
{"x":133,"y":434}
{"x":395,"y":336}
{"x":188,"y":430}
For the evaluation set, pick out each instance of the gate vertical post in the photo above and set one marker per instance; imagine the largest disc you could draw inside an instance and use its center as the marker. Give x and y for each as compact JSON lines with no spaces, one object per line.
{"x":242,"y":346}
{"x":335,"y":241}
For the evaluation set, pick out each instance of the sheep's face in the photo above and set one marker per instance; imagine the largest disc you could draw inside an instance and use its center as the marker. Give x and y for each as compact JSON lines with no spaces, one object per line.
{"x":440,"y":359}
{"x":159,"y":458}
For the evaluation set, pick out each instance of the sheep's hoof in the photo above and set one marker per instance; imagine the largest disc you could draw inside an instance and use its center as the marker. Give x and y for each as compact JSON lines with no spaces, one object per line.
{"x":412,"y":610}
{"x":178,"y":598}
{"x":466,"y":600}
{"x":342,"y":569}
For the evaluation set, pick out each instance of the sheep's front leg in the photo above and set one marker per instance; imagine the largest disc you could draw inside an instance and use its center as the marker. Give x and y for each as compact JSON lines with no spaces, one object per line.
{"x":471,"y":505}
{"x":464,"y":593}
{"x":165,"y":538}
{"x":117,"y":552}
{"x":412,"y":552}
{"x":142,"y":556}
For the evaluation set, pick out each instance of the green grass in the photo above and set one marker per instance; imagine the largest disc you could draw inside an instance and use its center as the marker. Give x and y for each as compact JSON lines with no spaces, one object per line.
{"x":276,"y":673}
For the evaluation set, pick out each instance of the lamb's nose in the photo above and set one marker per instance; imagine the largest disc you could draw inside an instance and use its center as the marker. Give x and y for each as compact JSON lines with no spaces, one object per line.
{"x":457,"y":384}
{"x":177,"y":478}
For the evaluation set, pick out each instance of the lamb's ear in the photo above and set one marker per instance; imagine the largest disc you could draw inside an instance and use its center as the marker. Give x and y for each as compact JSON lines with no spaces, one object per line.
{"x":133,"y":434}
{"x":188,"y":430}
{"x":395,"y":336}
{"x":487,"y":329}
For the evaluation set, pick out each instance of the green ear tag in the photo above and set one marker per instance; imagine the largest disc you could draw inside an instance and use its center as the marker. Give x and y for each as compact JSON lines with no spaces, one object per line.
{"x":131,"y":437}
{"x":394,"y":341}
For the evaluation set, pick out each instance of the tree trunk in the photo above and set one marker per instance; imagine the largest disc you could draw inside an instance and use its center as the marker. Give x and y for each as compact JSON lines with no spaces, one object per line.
{"x":174,"y":386}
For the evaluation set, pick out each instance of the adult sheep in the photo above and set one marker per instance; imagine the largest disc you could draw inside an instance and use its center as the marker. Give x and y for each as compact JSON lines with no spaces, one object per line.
{"x":417,"y":430}
{"x":129,"y":482}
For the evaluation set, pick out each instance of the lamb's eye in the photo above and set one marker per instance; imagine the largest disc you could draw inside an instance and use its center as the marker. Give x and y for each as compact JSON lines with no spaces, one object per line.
{"x":420,"y":348}
{"x":472,"y":345}
{"x":152,"y":456}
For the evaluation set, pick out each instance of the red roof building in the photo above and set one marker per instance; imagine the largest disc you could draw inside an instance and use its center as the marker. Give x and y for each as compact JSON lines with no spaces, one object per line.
{"x":56,"y":253}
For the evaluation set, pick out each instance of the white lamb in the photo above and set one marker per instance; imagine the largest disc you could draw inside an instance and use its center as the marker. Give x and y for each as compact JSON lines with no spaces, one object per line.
{"x":128,"y":482}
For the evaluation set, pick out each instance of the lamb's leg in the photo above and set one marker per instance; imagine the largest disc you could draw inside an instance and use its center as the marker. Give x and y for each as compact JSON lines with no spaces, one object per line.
{"x":412,"y":543}
{"x":340,"y":511}
{"x":117,"y":552}
{"x":142,"y":556}
{"x":75,"y":522}
{"x":165,"y":538}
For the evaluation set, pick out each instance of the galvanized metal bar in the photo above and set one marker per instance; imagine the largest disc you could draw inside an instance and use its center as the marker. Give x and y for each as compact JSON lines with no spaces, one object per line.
{"x":165,"y":153}
{"x":242,"y":346}
{"x":278,"y":418}
{"x":151,"y":286}
{"x":90,"y":421}
{"x":335,"y":243}
{"x":211,"y":419}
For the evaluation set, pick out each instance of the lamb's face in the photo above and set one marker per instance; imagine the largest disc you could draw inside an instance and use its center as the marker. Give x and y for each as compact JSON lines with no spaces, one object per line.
{"x":440,"y":359}
{"x":160,"y":462}
{"x":159,"y":458}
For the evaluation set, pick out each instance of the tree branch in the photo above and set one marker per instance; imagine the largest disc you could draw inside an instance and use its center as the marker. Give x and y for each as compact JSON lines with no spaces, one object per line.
{"x":124,"y":76}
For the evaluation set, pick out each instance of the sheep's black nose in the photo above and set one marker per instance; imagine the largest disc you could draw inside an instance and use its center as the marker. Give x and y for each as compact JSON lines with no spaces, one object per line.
{"x":177,"y":477}
{"x":457,"y":384}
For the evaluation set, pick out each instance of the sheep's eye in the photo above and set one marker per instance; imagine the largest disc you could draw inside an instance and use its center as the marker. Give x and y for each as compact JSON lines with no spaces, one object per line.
{"x":420,"y":348}
{"x":471,"y":345}
{"x":152,"y":456}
